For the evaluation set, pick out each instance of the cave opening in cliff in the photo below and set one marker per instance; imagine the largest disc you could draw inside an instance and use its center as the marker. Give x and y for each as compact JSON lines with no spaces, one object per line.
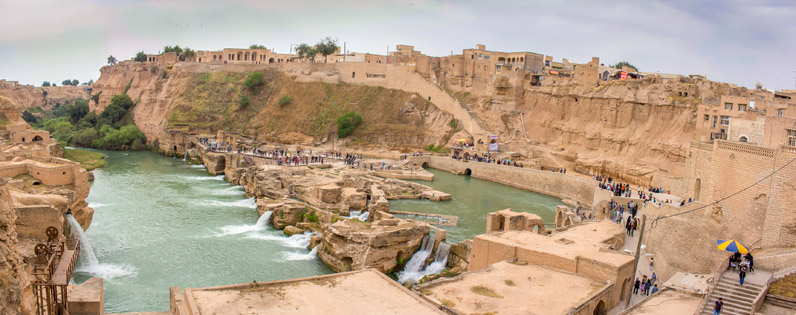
{"x":468,"y":172}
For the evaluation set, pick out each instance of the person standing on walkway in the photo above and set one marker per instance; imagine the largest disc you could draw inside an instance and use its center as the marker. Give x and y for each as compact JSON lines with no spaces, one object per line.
{"x":652,"y":263}
{"x":717,"y":307}
{"x":742,"y":275}
{"x":654,"y":289}
{"x":647,"y":287}
{"x":636,"y":285}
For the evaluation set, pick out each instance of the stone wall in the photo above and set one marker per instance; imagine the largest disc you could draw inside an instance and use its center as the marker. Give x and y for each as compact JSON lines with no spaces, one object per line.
{"x":560,"y":185}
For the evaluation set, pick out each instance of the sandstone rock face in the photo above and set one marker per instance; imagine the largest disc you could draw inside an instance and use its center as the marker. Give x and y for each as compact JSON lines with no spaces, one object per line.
{"x":288,"y":213}
{"x":292,"y":230}
{"x":15,"y":289}
{"x":214,"y":162}
{"x":354,"y":245}
{"x":28,"y":96}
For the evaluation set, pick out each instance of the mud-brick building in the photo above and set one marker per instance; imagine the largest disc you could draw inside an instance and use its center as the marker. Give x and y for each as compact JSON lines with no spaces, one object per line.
{"x":572,"y":272}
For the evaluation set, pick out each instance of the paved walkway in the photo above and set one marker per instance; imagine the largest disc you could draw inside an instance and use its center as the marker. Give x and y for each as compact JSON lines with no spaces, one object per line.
{"x":631,"y":242}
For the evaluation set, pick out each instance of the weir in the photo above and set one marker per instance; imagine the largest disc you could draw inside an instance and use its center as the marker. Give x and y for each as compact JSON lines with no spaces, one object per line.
{"x":416,"y":268}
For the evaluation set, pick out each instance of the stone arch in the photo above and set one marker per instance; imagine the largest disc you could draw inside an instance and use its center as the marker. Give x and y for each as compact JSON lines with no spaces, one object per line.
{"x":501,"y":59}
{"x":605,"y":75}
{"x":624,"y":287}
{"x":175,"y":149}
{"x":347,"y":263}
{"x":37,"y":138}
{"x":23,"y":139}
{"x":271,"y":60}
{"x":424,"y":165}
{"x":743,"y":138}
{"x":522,"y":59}
{"x":600,"y":309}
{"x":468,"y":172}
{"x":239,"y":55}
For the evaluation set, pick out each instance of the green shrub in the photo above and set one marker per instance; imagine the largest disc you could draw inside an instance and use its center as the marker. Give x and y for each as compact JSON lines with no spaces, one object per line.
{"x":127,"y":87}
{"x":452,"y":123}
{"x":254,"y":81}
{"x":85,"y":137}
{"x":347,"y":123}
{"x":243,"y":101}
{"x":284,"y":100}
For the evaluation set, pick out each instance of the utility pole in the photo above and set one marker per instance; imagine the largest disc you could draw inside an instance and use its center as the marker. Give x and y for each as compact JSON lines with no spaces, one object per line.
{"x":635,"y":265}
{"x":344,"y":53}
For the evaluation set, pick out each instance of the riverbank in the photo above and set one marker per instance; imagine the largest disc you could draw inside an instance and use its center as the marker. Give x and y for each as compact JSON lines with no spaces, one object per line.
{"x":89,"y":160}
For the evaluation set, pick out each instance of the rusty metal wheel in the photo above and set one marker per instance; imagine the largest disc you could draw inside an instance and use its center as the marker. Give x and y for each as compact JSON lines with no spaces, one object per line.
{"x":41,"y":249}
{"x":52,"y":233}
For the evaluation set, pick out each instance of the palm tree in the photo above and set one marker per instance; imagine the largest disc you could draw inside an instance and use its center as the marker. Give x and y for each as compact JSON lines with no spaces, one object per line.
{"x":111,"y":60}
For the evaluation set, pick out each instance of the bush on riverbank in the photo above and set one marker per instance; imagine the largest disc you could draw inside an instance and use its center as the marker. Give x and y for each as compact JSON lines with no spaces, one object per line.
{"x":112,"y":129}
{"x":347,"y":123}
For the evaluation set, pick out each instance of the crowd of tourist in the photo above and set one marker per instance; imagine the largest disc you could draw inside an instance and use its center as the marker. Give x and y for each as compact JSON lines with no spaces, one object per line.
{"x":486,"y":158}
{"x":646,"y":286}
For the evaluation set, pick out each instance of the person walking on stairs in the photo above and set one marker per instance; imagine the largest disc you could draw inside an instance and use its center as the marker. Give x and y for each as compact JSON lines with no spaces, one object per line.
{"x":717,"y":307}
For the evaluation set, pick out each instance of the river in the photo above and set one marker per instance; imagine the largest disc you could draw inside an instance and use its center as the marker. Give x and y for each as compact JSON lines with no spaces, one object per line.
{"x":160,"y":223}
{"x":472,"y":199}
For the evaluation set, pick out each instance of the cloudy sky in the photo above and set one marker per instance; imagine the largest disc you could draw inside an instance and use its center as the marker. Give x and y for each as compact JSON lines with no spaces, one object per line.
{"x":741,"y":42}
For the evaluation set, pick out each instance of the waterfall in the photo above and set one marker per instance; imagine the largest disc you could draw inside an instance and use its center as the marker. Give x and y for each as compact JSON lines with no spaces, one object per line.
{"x":413,"y":270}
{"x":87,"y":258}
{"x":185,"y":157}
{"x":353,"y":214}
{"x":262,"y":222}
{"x":364,"y":216}
{"x":440,"y":260}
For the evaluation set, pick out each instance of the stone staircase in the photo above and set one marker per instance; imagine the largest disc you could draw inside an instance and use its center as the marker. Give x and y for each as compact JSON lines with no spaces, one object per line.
{"x":738,"y":300}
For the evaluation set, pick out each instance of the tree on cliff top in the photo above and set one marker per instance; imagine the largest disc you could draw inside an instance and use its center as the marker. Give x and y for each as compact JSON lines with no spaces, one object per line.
{"x":306,"y":51}
{"x":46,"y":83}
{"x":256,"y":46}
{"x":140,"y":56}
{"x":175,"y":48}
{"x":187,"y":54}
{"x":621,"y":64}
{"x":347,"y":123}
{"x":112,"y":60}
{"x":326,"y":46}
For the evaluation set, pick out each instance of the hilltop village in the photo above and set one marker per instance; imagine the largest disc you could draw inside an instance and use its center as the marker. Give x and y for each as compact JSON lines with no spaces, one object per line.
{"x":651,"y":170}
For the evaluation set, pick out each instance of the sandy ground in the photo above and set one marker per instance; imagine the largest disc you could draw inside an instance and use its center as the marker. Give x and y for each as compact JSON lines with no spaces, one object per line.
{"x":363,"y":292}
{"x":668,"y":302}
{"x":535,"y":290}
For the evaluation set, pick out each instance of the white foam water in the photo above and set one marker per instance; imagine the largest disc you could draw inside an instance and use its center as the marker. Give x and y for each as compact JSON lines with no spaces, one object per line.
{"x":218,"y":177}
{"x":245,"y":203}
{"x":295,"y":241}
{"x":87,"y":261}
{"x":414,"y":269}
{"x":95,"y":205}
{"x":300,"y":256}
{"x":262,"y":224}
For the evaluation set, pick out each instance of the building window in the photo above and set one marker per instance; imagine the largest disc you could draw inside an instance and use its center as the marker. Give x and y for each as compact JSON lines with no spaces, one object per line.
{"x":792,"y":137}
{"x":781,"y":113}
{"x":741,"y":107}
{"x":486,"y":57}
{"x":728,"y":106}
{"x":725,"y":120}
{"x":715,"y":121}
{"x":547,"y":63}
{"x":707,"y":117}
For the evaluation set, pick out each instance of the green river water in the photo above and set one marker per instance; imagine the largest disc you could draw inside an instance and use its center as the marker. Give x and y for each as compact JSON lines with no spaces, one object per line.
{"x":160,"y":223}
{"x":472,"y":199}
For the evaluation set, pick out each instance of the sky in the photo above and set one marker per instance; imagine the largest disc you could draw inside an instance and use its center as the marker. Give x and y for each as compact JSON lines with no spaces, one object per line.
{"x":741,"y":42}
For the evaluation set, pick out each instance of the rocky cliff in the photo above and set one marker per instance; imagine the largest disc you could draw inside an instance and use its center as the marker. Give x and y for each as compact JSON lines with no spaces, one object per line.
{"x":28,"y":96}
{"x":14,"y":280}
{"x":206,"y":99}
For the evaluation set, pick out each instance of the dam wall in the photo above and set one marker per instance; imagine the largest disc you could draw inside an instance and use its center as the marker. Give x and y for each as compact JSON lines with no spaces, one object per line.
{"x":581,"y":189}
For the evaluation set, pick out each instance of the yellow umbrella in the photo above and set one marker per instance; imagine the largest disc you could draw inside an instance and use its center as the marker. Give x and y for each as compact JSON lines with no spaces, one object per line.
{"x":732,"y":246}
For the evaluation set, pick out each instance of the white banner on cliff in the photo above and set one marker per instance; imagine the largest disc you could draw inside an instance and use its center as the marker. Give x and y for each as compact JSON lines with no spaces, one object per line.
{"x":493,"y":144}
